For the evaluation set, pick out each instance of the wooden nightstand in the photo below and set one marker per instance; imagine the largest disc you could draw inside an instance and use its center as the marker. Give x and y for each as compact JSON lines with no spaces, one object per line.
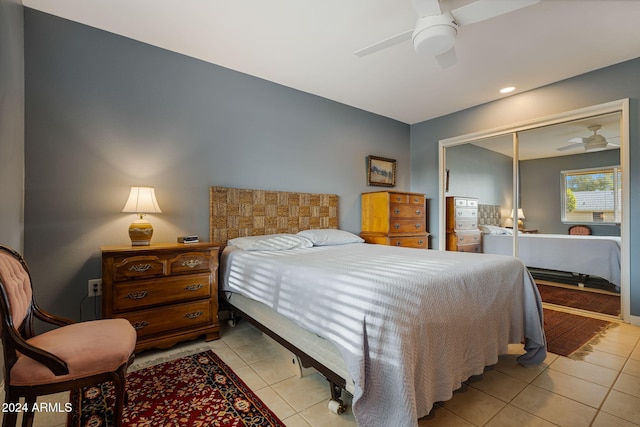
{"x":168,"y":291}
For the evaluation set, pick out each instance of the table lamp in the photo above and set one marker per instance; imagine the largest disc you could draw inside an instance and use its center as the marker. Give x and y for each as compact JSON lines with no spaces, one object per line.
{"x":520,"y":218}
{"x":142,"y":200}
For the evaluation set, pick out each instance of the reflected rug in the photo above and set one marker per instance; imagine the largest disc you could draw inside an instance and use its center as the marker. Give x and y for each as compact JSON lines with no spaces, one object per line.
{"x":572,"y":335}
{"x":584,"y":300}
{"x":196,"y":390}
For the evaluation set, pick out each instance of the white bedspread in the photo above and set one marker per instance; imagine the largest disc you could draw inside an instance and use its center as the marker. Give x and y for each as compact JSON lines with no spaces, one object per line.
{"x":592,"y":255}
{"x":411,"y":324}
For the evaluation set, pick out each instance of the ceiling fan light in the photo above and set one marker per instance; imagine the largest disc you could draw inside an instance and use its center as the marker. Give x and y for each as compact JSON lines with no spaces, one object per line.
{"x":595,"y":143}
{"x":434,"y":35}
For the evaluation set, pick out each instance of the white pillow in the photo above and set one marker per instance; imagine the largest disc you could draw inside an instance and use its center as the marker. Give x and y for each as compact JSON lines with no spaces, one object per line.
{"x":271,"y":242}
{"x":330,"y":237}
{"x":492,"y":229}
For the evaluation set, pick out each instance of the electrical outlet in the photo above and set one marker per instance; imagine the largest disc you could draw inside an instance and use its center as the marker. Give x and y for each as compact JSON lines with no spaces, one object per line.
{"x":95,"y":287}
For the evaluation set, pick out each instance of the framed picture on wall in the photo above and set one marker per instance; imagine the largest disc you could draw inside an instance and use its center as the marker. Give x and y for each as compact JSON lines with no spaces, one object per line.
{"x":381,"y":171}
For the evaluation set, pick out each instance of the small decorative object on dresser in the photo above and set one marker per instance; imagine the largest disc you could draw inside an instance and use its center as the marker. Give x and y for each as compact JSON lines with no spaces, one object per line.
{"x":395,"y":218}
{"x":463,"y":234}
{"x":168,"y":291}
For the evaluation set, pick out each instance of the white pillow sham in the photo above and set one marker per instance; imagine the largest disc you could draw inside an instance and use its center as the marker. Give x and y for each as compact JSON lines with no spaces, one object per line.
{"x":330,"y":237}
{"x":271,"y":242}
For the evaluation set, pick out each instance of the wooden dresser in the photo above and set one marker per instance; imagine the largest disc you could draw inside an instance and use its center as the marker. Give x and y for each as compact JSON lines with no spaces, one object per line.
{"x":395,"y":218}
{"x":463,"y":234}
{"x":168,"y":291}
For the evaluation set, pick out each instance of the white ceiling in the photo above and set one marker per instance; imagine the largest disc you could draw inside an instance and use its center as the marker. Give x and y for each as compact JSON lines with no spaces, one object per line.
{"x":309,"y":45}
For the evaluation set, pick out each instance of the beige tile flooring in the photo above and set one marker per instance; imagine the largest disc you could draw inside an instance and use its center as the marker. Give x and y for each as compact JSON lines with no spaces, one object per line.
{"x":603,"y":390}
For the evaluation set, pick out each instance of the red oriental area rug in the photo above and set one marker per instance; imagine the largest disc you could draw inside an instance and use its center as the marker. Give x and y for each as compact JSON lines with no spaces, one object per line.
{"x":196,"y":390}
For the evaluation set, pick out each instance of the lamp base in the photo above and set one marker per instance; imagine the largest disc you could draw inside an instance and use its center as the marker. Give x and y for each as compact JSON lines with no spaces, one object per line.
{"x":140,"y":232}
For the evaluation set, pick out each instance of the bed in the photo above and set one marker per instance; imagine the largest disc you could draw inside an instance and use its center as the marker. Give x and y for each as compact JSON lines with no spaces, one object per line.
{"x":398,"y":328}
{"x":581,"y":255}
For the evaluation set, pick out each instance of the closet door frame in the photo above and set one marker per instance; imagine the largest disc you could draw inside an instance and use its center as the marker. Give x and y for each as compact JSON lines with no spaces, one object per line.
{"x":621,"y":106}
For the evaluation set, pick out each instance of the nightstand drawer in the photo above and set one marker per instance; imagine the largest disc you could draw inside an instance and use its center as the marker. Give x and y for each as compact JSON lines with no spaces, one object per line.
{"x":146,"y":293}
{"x":173,"y":317}
{"x":138,"y":267}
{"x":189,"y":262}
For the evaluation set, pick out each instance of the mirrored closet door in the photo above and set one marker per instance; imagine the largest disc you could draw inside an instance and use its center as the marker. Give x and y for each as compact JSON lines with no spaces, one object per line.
{"x":535,"y":181}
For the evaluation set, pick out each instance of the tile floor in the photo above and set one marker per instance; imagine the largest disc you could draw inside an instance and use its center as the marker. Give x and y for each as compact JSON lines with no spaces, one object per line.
{"x":603,"y":390}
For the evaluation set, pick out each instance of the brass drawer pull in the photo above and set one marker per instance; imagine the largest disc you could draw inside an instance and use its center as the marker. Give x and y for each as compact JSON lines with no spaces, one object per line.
{"x":398,"y":243}
{"x":420,"y":242}
{"x":192,"y":263}
{"x":397,"y":211}
{"x":418,"y":225}
{"x":193,"y":287}
{"x":418,"y":212}
{"x":140,"y":268}
{"x":417,"y":200}
{"x":193,"y":315}
{"x":139,"y":325}
{"x":137,"y":295}
{"x":398,"y":198}
{"x":396,"y":226}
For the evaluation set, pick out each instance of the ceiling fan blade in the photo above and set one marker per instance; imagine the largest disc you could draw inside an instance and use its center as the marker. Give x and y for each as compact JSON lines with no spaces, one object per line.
{"x":447,"y":59}
{"x":578,"y":139}
{"x":426,"y":7}
{"x":571,"y":146}
{"x":391,"y":41}
{"x":485,"y":9}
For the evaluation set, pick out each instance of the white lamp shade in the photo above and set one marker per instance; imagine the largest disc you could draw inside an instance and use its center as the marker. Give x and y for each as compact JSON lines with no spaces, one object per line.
{"x":142,"y":200}
{"x":520,"y":214}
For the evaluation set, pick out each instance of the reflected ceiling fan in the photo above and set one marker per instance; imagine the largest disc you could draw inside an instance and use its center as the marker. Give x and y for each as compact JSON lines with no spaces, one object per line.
{"x":594,"y":142}
{"x":435,"y":31}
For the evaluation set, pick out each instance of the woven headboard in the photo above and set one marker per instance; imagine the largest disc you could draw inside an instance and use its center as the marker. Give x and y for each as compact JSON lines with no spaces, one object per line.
{"x":236,"y":212}
{"x":489,"y":215}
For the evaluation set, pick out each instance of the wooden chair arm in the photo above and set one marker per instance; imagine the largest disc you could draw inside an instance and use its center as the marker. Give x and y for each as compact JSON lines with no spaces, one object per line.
{"x":50,"y":318}
{"x":50,"y":360}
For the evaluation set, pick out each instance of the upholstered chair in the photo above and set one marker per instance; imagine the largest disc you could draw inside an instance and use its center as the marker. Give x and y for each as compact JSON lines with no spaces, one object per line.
{"x":69,"y":357}
{"x":580,"y":230}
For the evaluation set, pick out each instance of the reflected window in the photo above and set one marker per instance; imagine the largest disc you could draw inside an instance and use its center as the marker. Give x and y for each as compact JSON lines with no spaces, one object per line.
{"x":592,"y":195}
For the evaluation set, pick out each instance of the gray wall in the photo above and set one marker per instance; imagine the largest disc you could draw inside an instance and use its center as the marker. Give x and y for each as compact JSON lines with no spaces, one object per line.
{"x":540,"y":190}
{"x":608,"y":84}
{"x":478,"y":172}
{"x":11,"y":123}
{"x":104,"y":112}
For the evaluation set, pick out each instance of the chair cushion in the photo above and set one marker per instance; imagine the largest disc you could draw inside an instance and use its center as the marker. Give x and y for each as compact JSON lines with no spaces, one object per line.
{"x":17,"y":285}
{"x":88,"y":348}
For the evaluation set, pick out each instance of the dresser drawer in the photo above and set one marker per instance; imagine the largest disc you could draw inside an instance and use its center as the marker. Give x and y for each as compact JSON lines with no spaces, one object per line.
{"x":399,"y":210}
{"x":469,"y":248}
{"x":173,"y":317}
{"x":466,"y":224}
{"x":406,"y":198}
{"x":145,"y":293}
{"x":190,"y":262}
{"x":138,"y":267}
{"x":468,"y":238}
{"x":406,"y":226}
{"x":409,"y":242}
{"x":467,"y":213}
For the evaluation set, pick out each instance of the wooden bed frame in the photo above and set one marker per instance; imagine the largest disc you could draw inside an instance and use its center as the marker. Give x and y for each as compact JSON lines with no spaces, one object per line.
{"x":236,"y":212}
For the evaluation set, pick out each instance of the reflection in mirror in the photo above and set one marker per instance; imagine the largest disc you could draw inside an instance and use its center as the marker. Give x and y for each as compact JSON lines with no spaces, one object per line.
{"x":567,"y":174}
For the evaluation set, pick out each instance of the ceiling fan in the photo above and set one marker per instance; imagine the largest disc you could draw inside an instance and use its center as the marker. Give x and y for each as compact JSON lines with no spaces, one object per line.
{"x":594,"y":142}
{"x":435,"y":31}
